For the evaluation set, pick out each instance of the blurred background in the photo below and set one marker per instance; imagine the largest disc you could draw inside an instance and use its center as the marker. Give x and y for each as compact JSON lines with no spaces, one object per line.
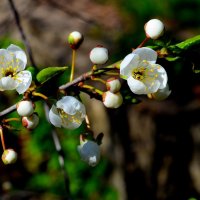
{"x":150,"y":150}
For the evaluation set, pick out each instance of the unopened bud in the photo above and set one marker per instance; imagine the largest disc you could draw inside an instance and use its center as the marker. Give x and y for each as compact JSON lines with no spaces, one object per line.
{"x":9,"y":156}
{"x":99,"y":55}
{"x":30,"y":122}
{"x":89,"y":152}
{"x":154,"y":28}
{"x":113,"y":84}
{"x":75,"y":39}
{"x":25,"y":108}
{"x":112,"y":100}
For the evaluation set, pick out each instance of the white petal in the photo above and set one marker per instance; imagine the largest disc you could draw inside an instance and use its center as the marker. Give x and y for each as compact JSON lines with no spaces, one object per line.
{"x":162,"y":94}
{"x":71,"y":105}
{"x":7,"y":83}
{"x":146,"y":53}
{"x":19,"y":54}
{"x":162,"y":75}
{"x":54,"y":117}
{"x":136,"y":86}
{"x":5,"y":58}
{"x":151,"y":85}
{"x":24,"y":79}
{"x":130,"y":62}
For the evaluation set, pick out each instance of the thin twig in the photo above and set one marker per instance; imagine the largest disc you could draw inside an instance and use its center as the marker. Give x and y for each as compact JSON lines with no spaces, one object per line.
{"x":60,"y":156}
{"x":8,"y":110}
{"x":23,"y":36}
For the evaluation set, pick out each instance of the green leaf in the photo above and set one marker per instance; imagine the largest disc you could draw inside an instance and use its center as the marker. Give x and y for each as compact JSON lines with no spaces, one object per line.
{"x":190,"y":43}
{"x":48,"y":73}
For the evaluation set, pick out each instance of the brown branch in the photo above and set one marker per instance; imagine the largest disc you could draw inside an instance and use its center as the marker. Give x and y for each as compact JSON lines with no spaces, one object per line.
{"x":22,"y":33}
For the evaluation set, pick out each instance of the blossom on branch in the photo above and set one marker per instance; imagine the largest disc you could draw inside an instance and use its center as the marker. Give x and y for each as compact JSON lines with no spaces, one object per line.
{"x":13,"y":61}
{"x":143,"y":75}
{"x":68,"y":113}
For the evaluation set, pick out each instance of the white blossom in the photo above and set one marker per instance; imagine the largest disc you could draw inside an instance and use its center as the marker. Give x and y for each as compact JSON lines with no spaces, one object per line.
{"x":68,"y":113}
{"x":30,"y":122}
{"x":143,"y":75}
{"x":113,"y":85}
{"x":89,"y":152}
{"x":99,"y":55}
{"x":13,"y":61}
{"x":112,"y":100}
{"x":161,"y":94}
{"x":154,"y":28}
{"x":25,"y":108}
{"x":9,"y":156}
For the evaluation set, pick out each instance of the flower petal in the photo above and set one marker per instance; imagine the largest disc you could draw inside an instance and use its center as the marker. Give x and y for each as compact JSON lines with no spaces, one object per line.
{"x":7,"y":83}
{"x":54,"y":117}
{"x":146,"y":53}
{"x":128,"y":64}
{"x":71,"y":105}
{"x":136,"y":86}
{"x":19,"y":54}
{"x":24,"y":79}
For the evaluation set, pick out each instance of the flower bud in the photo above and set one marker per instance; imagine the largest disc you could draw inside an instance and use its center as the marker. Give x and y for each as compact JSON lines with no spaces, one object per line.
{"x":9,"y":156}
{"x":154,"y":28}
{"x":75,"y":39}
{"x":89,"y":152}
{"x":99,"y":55}
{"x":30,"y":122}
{"x":113,"y":84}
{"x":112,"y":100}
{"x":161,"y":94}
{"x":25,"y":108}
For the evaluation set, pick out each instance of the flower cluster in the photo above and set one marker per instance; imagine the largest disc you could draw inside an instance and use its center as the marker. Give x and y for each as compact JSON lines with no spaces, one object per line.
{"x":144,"y":77}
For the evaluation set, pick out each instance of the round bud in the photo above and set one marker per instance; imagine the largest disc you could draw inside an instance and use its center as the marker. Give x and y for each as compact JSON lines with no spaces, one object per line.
{"x":154,"y":28}
{"x":89,"y":152}
{"x":25,"y":108}
{"x":75,"y":39}
{"x":9,"y":156}
{"x":113,"y":84}
{"x":30,"y":122}
{"x":99,"y":55}
{"x":112,"y":100}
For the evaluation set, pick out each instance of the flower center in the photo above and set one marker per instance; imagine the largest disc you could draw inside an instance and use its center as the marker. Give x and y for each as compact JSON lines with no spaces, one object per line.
{"x":139,"y":73}
{"x":67,"y":119}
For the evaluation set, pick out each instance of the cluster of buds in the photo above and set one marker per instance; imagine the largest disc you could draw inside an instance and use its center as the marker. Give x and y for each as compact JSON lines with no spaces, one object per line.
{"x":112,"y":98}
{"x":25,"y":109}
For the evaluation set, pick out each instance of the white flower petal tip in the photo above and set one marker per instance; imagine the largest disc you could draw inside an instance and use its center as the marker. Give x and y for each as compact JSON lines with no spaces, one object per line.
{"x":143,"y":75}
{"x":112,"y":100}
{"x":9,"y":156}
{"x":99,"y":55}
{"x":161,"y":94}
{"x":68,"y":113}
{"x":89,"y":153}
{"x":12,"y":74}
{"x":154,"y":28}
{"x":30,"y":122}
{"x":113,"y":85}
{"x":75,"y":39}
{"x":25,"y":108}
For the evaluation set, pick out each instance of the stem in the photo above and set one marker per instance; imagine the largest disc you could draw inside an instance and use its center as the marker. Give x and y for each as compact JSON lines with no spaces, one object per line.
{"x":2,"y":138}
{"x":143,"y":42}
{"x":11,"y":119}
{"x":98,"y":79}
{"x":92,"y":89}
{"x":39,"y":95}
{"x":73,"y":64}
{"x":23,"y":36}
